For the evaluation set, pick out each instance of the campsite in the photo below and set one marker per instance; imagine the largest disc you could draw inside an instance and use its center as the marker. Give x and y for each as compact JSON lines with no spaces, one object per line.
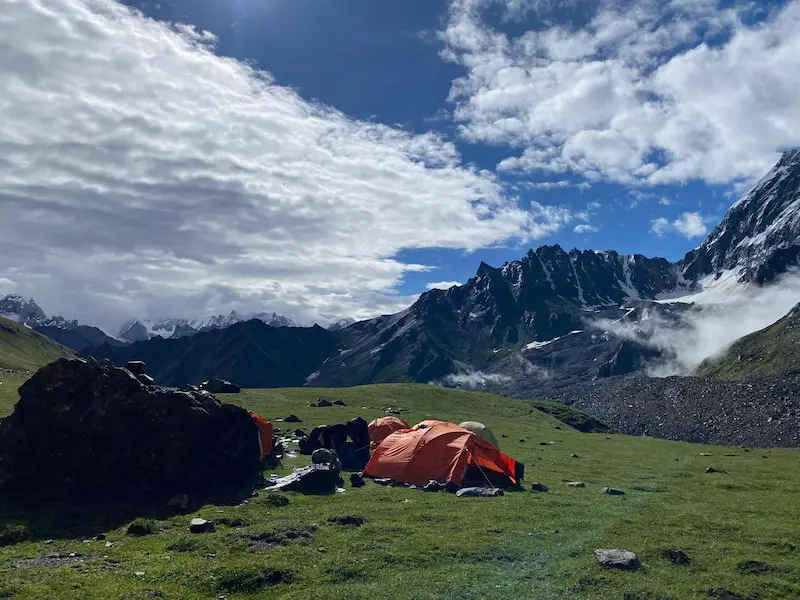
{"x":395,"y":542}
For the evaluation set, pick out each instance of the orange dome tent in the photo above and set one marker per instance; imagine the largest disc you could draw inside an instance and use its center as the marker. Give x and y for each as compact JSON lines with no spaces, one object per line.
{"x":382,"y":427}
{"x":443,"y":452}
{"x":264,"y":434}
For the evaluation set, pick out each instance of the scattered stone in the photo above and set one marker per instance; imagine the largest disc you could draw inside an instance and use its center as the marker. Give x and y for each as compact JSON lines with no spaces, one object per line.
{"x":199,"y":525}
{"x":746,"y":449}
{"x":616,"y":558}
{"x":574,"y":456}
{"x":434,"y":486}
{"x":576,"y":484}
{"x":300,"y":433}
{"x":339,"y":403}
{"x":179,"y":501}
{"x":678,"y":557}
{"x":522,"y":441}
{"x":754,"y":566}
{"x":557,"y":427}
{"x":713,"y":470}
{"x":504,"y":435}
{"x":139,"y":574}
{"x":705,"y":454}
{"x":538,"y":486}
{"x":731,"y":454}
{"x":356,"y":480}
{"x":323,"y":403}
{"x":220,"y":386}
{"x":100,"y":537}
{"x":542,"y":443}
{"x":109,"y":544}
{"x":489,"y":492}
{"x":323,"y":456}
{"x":609,"y":491}
{"x":292,"y":419}
{"x":349,"y":520}
{"x":321,"y":549}
{"x":676,"y":459}
{"x":314,"y":479}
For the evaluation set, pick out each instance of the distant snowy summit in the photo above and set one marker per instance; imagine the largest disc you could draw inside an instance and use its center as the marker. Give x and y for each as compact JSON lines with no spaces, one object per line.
{"x":20,"y":309}
{"x":145,"y":329}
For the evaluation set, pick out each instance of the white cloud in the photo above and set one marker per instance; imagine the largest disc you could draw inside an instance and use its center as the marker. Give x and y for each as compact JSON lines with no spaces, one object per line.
{"x":689,"y":225}
{"x":709,"y":329}
{"x":583,"y":228}
{"x":442,"y":285}
{"x":642,"y":92}
{"x":141,"y":175}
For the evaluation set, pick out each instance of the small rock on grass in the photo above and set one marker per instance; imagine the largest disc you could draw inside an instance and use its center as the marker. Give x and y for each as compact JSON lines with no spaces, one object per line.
{"x":574,"y":456}
{"x":198,"y":525}
{"x":678,"y":557}
{"x":713,"y":470}
{"x":705,"y":454}
{"x":576,"y":484}
{"x":292,"y":419}
{"x":356,"y":480}
{"x":538,"y":486}
{"x":609,"y":491}
{"x":616,"y":558}
{"x":479,"y":491}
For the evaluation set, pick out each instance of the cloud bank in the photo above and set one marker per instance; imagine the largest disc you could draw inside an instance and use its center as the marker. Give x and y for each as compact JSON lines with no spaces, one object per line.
{"x":142,"y":175}
{"x":641,"y":92}
{"x":709,"y":329}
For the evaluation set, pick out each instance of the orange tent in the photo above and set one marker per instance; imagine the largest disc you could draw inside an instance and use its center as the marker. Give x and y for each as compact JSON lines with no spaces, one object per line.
{"x":381,"y":428}
{"x":264,"y":434}
{"x":443,"y":452}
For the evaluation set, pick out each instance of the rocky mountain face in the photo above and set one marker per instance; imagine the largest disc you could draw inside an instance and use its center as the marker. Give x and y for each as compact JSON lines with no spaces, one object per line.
{"x":250,"y":354}
{"x":21,"y":309}
{"x":67,"y":333}
{"x":141,"y":330}
{"x":532,"y":319}
{"x":760,"y":235}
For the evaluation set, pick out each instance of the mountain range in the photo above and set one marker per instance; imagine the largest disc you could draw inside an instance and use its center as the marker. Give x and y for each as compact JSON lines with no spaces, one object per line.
{"x":550,"y":319}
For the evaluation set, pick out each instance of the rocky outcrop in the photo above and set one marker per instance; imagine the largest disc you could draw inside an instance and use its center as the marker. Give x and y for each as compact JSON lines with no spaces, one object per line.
{"x":90,"y":430}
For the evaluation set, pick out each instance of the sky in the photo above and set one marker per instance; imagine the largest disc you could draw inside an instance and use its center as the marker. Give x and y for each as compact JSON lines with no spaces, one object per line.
{"x":336,"y":158}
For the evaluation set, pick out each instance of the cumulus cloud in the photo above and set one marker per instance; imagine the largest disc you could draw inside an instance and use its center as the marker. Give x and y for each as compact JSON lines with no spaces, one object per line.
{"x":584,"y":228}
{"x":690,"y":225}
{"x":709,"y":329}
{"x":442,"y":285}
{"x":641,"y":92}
{"x":142,"y":175}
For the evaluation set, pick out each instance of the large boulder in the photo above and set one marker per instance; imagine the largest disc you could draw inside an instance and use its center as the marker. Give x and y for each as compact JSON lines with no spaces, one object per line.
{"x":88,"y":430}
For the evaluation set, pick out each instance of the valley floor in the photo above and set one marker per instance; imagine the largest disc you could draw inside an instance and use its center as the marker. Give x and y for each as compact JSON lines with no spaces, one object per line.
{"x":740,"y":528}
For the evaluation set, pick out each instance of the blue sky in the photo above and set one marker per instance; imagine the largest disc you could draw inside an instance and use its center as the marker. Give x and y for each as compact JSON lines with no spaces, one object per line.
{"x":381,"y":61}
{"x":331,"y":158}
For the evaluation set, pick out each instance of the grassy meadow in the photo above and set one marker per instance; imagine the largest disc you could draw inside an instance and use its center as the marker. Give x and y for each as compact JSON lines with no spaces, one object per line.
{"x":741,"y":529}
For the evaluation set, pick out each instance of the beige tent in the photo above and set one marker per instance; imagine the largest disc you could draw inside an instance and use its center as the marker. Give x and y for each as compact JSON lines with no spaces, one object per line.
{"x":481,"y":430}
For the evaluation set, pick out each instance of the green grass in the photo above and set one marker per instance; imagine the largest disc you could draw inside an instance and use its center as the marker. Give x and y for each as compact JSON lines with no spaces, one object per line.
{"x":22,"y":349}
{"x":418,"y":545}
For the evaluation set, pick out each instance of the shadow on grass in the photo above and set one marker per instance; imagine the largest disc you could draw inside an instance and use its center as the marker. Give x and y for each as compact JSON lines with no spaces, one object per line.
{"x":24,"y":519}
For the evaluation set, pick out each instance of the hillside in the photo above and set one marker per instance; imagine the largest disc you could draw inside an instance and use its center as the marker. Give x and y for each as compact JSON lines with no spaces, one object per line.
{"x":522,"y":545}
{"x":771,"y":351}
{"x":26,"y":350}
{"x":252,"y":354}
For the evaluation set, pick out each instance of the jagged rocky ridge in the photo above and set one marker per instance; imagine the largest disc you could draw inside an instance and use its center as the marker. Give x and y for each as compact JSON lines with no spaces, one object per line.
{"x":142,"y":330}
